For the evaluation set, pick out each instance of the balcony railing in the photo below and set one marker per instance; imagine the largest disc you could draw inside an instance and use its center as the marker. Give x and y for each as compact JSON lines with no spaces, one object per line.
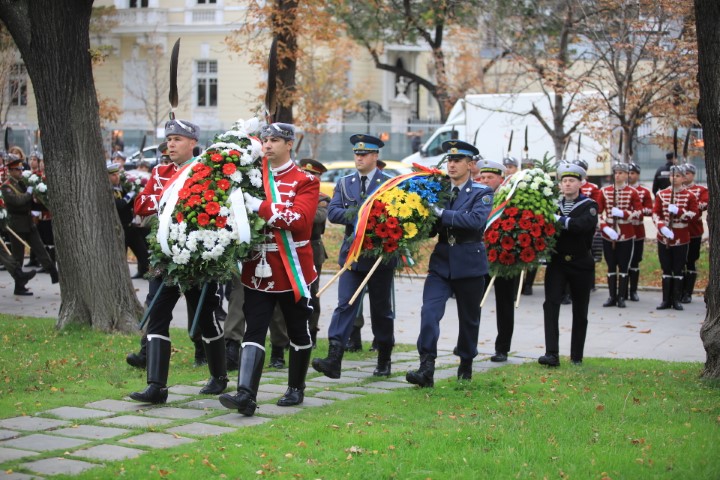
{"x":138,"y":17}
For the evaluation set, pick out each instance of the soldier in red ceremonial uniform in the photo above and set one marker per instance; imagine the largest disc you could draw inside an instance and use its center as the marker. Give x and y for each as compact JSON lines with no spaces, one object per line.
{"x":695,"y":225}
{"x":646,"y":200}
{"x":280,"y":273}
{"x":674,"y":207}
{"x":620,"y":205}
{"x":182,"y":136}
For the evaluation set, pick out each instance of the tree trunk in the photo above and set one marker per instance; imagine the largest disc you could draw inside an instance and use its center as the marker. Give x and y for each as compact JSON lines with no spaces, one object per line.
{"x":286,"y":28}
{"x":95,"y":286}
{"x":707,"y":17}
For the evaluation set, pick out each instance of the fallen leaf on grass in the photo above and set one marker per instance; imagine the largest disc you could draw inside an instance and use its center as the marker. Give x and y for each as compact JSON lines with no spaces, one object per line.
{"x":644,"y":331}
{"x":600,"y":407}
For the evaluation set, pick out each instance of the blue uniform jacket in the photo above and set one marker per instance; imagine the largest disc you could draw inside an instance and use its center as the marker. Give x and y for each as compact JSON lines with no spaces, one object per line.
{"x":346,"y":197}
{"x":466,"y":223}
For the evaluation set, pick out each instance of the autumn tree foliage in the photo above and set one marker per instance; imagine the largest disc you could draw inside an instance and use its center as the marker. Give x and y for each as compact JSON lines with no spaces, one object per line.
{"x":647,"y":59}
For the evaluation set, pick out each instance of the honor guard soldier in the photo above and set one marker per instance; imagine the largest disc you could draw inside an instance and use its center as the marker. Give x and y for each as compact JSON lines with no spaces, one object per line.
{"x":19,"y":202}
{"x":512,"y":165}
{"x":662,"y":174}
{"x":674,"y":208}
{"x":458,"y":265}
{"x":646,"y":200}
{"x":571,"y":264}
{"x":319,"y":254}
{"x":505,"y":287}
{"x":620,"y":205}
{"x":280,"y":273}
{"x":350,"y":192}
{"x":695,"y":225}
{"x":182,"y":137}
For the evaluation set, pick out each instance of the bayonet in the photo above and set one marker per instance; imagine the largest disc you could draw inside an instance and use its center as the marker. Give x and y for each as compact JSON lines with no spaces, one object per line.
{"x":578,"y":149}
{"x":526,"y":150}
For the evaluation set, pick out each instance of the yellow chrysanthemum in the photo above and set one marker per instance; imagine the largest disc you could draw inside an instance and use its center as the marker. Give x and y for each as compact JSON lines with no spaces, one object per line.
{"x":413,"y":200}
{"x":392,"y":209}
{"x":422,"y":211}
{"x":404,"y":211}
{"x":410,"y":229}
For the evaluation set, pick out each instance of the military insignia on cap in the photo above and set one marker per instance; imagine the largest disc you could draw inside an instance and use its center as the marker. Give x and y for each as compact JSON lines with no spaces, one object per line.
{"x":453,"y":150}
{"x":487,"y":199}
{"x":360,"y":145}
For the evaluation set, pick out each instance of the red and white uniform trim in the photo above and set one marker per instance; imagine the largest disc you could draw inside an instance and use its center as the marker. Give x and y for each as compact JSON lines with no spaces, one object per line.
{"x":628,"y":201}
{"x":591,"y":190}
{"x":646,"y":200}
{"x":147,"y":202}
{"x":703,"y":197}
{"x":687,"y":205}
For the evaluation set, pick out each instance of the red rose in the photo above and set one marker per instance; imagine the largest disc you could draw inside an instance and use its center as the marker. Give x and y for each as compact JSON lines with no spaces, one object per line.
{"x":507,"y":242}
{"x":179,"y":217}
{"x":507,"y":258}
{"x":234,"y":152}
{"x":392,"y":222}
{"x":527,"y":255}
{"x":193,"y":200}
{"x":229,"y":169}
{"x":203,"y":219}
{"x":511,"y":212}
{"x":524,"y":240}
{"x":508,"y":224}
{"x":492,"y":256}
{"x":492,"y":236}
{"x":390,"y":246}
{"x":540,"y":244}
{"x":209,"y":194}
{"x":368,"y":243}
{"x":222,"y":184}
{"x":536,"y":231}
{"x":394,"y":233}
{"x":527,"y":214}
{"x":216,"y":157}
{"x":220,"y":222}
{"x":549,"y":229}
{"x":212,"y":208}
{"x":381,"y":230}
{"x":184,"y":193}
{"x":525,"y":224}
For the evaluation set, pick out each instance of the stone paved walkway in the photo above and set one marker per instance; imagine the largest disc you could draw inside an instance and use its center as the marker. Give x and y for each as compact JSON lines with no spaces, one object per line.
{"x":69,"y":440}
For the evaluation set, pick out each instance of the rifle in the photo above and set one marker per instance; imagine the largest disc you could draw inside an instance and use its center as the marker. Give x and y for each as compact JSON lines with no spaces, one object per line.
{"x":577,"y":155}
{"x":526,"y":150}
{"x":671,"y":216}
{"x":615,"y":187}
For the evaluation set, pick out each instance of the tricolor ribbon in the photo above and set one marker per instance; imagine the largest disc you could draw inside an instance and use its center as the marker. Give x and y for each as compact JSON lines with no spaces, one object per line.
{"x":284,"y":240}
{"x":497,"y":212}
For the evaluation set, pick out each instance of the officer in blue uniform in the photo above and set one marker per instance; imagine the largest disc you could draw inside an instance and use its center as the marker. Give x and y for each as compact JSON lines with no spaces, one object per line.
{"x":458,"y":265}
{"x":350,"y":192}
{"x":572,"y":264}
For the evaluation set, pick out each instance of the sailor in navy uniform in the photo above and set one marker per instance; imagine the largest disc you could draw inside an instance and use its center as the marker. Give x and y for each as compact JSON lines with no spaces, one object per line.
{"x":350,"y":192}
{"x":458,"y":265}
{"x":571,"y":264}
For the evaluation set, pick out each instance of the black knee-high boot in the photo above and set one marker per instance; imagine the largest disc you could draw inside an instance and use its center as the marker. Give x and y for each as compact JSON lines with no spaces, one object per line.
{"x":297,"y":371}
{"x":158,"y":359}
{"x":215,"y":354}
{"x":249,"y":373}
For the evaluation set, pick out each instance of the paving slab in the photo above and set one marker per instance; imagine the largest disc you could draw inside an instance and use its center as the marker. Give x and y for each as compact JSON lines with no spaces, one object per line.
{"x":323,"y":380}
{"x":116,"y":405}
{"x":350,"y":364}
{"x":272,"y":374}
{"x":204,"y":404}
{"x":444,"y":373}
{"x":273,"y":410}
{"x":388,"y":385}
{"x":237,"y":420}
{"x":156,"y":440}
{"x":263,"y":397}
{"x":40,"y":442}
{"x":315,"y":402}
{"x":200,"y":430}
{"x":7,"y":454}
{"x":5,"y":434}
{"x":32,"y":424}
{"x":76,"y":413}
{"x":135,"y":421}
{"x":356,"y":374}
{"x":184,"y":389}
{"x":92,"y":432}
{"x":108,"y":453}
{"x":364,"y":390}
{"x":333,"y":395}
{"x":58,"y":466}
{"x":175,"y":413}
{"x":273,"y":388}
{"x":18,"y":476}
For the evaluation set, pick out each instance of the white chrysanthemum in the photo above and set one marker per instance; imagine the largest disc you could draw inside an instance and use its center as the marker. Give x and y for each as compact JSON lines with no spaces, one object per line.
{"x":224,"y":211}
{"x":236,"y":176}
{"x":27,"y":173}
{"x":42,"y":188}
{"x":522,"y":184}
{"x":33,"y":178}
{"x":535,"y":186}
{"x":173,"y":232}
{"x":180,"y":255}
{"x":246,"y":159}
{"x":547,"y":192}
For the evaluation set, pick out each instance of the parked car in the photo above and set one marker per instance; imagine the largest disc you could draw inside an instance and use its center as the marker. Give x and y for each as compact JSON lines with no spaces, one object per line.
{"x":336,"y":170}
{"x":150,"y":155}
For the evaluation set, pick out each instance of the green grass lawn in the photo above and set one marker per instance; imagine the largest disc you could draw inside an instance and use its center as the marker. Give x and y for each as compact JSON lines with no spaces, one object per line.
{"x":608,"y":419}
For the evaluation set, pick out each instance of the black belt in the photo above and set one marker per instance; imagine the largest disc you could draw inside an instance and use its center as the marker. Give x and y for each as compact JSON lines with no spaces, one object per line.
{"x":569,"y":257}
{"x":456,"y":237}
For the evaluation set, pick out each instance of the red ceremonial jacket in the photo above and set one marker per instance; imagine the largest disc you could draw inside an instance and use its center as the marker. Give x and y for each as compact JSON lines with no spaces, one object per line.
{"x":695,"y":224}
{"x":146,"y":203}
{"x":687,"y":209}
{"x":591,"y":190}
{"x":628,"y":201}
{"x":646,"y":200}
{"x":299,"y":192}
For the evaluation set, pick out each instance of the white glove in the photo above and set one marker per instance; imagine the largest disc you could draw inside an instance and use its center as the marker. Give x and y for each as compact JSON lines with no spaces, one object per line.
{"x":438,"y":211}
{"x":616,"y":212}
{"x":611,"y":233}
{"x":557,"y":217}
{"x":252,"y":203}
{"x":672,"y":208}
{"x":29,"y":190}
{"x":129,"y":196}
{"x":667,"y":232}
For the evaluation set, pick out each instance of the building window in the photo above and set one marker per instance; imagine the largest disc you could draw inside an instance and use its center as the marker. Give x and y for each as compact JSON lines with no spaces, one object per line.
{"x":206,"y":2}
{"x":207,"y":80}
{"x":139,"y":3}
{"x":17,"y":85}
